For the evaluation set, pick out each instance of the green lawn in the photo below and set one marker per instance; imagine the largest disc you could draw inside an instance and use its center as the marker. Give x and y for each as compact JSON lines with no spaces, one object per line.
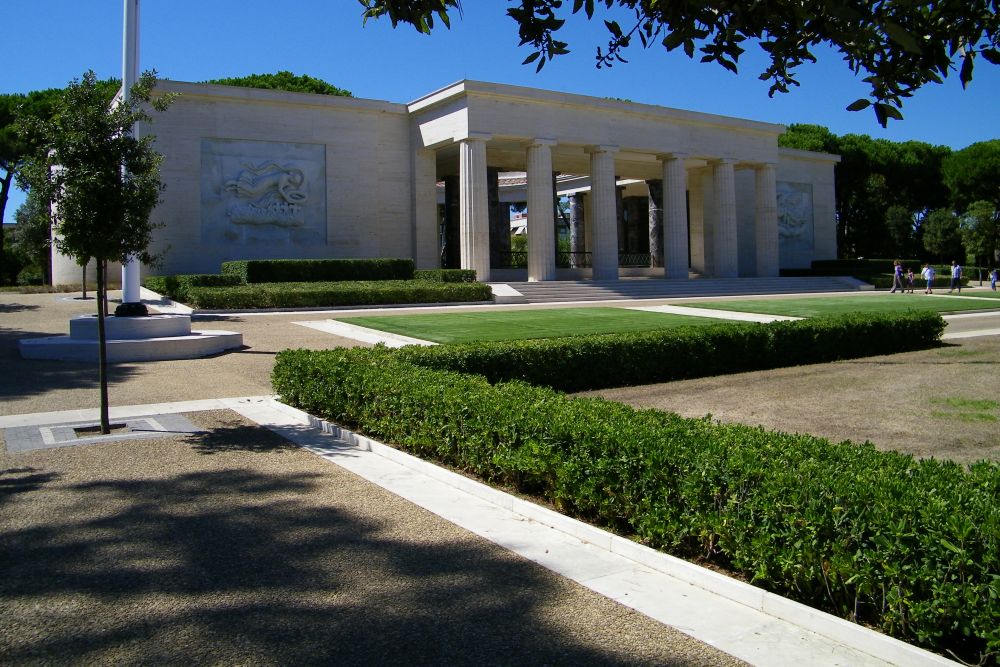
{"x":836,"y":305}
{"x":987,"y":293}
{"x":519,"y":324}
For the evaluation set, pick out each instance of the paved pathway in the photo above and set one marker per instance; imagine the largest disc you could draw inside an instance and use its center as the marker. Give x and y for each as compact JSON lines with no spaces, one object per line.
{"x":449,"y":613}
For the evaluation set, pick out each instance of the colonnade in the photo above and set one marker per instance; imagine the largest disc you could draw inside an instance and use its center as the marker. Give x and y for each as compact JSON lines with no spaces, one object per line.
{"x":668,"y":197}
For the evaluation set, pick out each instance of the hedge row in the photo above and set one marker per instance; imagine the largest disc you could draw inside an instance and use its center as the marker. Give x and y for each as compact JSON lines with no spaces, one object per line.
{"x":177,"y":286}
{"x":611,"y":360}
{"x":910,"y":547}
{"x":323,"y":294}
{"x":319,"y":270}
{"x":446,"y":275}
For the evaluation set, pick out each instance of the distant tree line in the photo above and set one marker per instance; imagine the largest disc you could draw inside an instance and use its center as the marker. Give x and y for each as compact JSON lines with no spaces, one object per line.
{"x":911,"y":199}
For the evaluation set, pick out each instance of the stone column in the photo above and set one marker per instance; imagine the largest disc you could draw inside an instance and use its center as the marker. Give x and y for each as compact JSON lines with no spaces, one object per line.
{"x":541,"y":225}
{"x":655,"y":222}
{"x":724,"y":240}
{"x":766,"y":221}
{"x":604,"y":219}
{"x":577,"y":237}
{"x":675,"y":227}
{"x":474,"y":204}
{"x":620,"y":216}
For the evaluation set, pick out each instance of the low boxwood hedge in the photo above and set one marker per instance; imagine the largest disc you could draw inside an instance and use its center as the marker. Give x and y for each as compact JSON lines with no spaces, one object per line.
{"x":910,"y":547}
{"x":319,"y":270}
{"x":446,"y":275}
{"x":612,"y":360}
{"x":321,"y":294}
{"x":176,"y":287}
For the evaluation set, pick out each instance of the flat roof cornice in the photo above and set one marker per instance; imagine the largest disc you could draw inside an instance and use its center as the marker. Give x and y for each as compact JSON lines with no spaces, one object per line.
{"x":217,"y":91}
{"x":547,"y":97}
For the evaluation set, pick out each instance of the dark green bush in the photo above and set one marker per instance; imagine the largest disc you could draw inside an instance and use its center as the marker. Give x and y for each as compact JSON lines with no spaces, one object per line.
{"x":612,"y":360}
{"x":446,"y":275}
{"x":323,"y":294}
{"x":30,"y":275}
{"x":176,"y":287}
{"x":911,"y":547}
{"x":319,"y":270}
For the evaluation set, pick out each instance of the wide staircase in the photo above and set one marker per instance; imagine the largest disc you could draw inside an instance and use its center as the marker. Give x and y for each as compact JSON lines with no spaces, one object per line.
{"x":658,"y":288}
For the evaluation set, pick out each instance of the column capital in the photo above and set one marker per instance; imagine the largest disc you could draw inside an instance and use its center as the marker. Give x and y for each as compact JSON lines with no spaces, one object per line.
{"x":722,"y":160}
{"x":475,"y":136}
{"x":541,"y":141}
{"x":666,"y":157}
{"x":602,"y":148}
{"x":765,"y":165}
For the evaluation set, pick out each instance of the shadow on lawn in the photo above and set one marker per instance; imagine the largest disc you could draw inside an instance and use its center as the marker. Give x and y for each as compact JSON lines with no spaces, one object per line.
{"x":235,"y":566}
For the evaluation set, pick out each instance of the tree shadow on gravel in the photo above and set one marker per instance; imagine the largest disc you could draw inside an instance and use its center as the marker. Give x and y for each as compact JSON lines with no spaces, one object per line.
{"x":14,"y":481}
{"x":235,"y":567}
{"x":15,"y":307}
{"x":30,"y":377}
{"x":242,"y":438}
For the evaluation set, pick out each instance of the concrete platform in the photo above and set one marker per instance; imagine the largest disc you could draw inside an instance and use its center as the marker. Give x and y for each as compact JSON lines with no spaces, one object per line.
{"x":152,"y":338}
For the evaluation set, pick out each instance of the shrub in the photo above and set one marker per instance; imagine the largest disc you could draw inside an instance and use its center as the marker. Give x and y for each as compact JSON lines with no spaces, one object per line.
{"x":177,"y":286}
{"x":611,"y":360}
{"x":319,"y":270}
{"x":911,"y":547}
{"x":30,"y":275}
{"x":446,"y":275}
{"x":323,"y":294}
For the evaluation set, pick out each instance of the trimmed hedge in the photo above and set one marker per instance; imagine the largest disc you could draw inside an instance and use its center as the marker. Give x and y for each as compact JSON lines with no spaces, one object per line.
{"x":177,"y":287}
{"x":446,"y":275}
{"x":612,"y":360}
{"x":910,"y":547}
{"x":319,"y":270}
{"x":321,"y":294}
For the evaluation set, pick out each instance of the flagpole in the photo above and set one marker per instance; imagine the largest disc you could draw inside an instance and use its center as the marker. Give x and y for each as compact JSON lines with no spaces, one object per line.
{"x":130,"y":73}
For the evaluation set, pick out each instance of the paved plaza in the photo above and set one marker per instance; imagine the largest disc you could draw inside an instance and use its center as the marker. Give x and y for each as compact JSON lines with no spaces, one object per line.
{"x":234,"y":542}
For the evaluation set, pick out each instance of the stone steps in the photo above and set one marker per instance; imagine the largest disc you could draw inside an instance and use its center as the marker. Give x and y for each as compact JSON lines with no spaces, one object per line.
{"x":658,"y":288}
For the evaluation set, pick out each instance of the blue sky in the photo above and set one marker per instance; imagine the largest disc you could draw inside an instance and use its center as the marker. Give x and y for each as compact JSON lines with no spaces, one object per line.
{"x":54,"y":41}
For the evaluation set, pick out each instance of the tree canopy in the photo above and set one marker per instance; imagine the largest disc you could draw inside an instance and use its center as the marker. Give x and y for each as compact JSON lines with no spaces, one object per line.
{"x":897,"y":45}
{"x":14,"y":148}
{"x":285,"y":81}
{"x":973,"y":174}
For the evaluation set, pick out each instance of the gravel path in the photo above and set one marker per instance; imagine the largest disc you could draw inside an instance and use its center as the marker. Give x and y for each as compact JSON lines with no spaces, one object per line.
{"x":235,"y":547}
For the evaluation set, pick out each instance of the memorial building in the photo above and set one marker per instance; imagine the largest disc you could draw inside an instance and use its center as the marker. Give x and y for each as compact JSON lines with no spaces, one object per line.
{"x":611,"y":188}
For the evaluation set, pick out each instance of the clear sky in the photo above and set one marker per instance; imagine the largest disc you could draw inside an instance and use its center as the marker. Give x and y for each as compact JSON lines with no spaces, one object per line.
{"x":50,"y":42}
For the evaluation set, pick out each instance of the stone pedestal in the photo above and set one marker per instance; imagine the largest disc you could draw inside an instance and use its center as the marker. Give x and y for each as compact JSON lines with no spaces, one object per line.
{"x":153,"y":338}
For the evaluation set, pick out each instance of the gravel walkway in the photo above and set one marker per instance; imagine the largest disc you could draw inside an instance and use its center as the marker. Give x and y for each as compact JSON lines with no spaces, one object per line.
{"x":234,"y":547}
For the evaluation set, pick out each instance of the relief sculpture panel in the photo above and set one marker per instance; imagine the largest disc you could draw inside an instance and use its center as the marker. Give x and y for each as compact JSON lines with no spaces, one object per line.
{"x":263,"y":193}
{"x":795,"y":223}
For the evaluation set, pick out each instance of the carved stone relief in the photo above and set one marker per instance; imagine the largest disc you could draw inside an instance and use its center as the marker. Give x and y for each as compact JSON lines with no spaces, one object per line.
{"x":795,"y":222}
{"x":262,"y":192}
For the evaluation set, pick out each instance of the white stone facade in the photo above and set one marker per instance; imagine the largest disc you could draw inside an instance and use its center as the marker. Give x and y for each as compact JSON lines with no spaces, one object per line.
{"x":266,"y":174}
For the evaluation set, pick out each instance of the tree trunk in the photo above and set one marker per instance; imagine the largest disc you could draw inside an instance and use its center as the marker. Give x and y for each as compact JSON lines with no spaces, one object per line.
{"x":5,"y":184}
{"x":102,"y":346}
{"x":84,"y":281}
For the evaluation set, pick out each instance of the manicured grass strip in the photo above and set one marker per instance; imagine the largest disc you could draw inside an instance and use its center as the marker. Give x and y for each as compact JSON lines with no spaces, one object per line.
{"x":525,"y":324}
{"x":839,"y":305}
{"x":986,"y":294}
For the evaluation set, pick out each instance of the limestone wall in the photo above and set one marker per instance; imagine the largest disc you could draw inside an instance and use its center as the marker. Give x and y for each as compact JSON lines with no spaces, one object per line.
{"x":807,"y":213}
{"x":267,"y":174}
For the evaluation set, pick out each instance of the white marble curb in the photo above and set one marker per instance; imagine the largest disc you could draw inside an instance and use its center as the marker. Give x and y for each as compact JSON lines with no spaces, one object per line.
{"x":363,"y":334}
{"x":875,"y":647}
{"x":736,"y":315}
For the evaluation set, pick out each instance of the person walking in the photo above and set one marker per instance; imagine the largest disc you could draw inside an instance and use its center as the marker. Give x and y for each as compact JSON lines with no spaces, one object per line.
{"x":909,"y":279}
{"x":928,"y":274}
{"x":956,"y":277}
{"x":897,"y":277}
{"x":993,"y":280}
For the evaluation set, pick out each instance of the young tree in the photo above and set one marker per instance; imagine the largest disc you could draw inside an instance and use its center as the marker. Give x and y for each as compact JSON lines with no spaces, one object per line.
{"x":102,"y":178}
{"x":942,"y":236}
{"x":901,"y":45}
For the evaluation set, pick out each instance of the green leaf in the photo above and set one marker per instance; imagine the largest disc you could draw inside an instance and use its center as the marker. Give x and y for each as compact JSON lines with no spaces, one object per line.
{"x":858,"y":105}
